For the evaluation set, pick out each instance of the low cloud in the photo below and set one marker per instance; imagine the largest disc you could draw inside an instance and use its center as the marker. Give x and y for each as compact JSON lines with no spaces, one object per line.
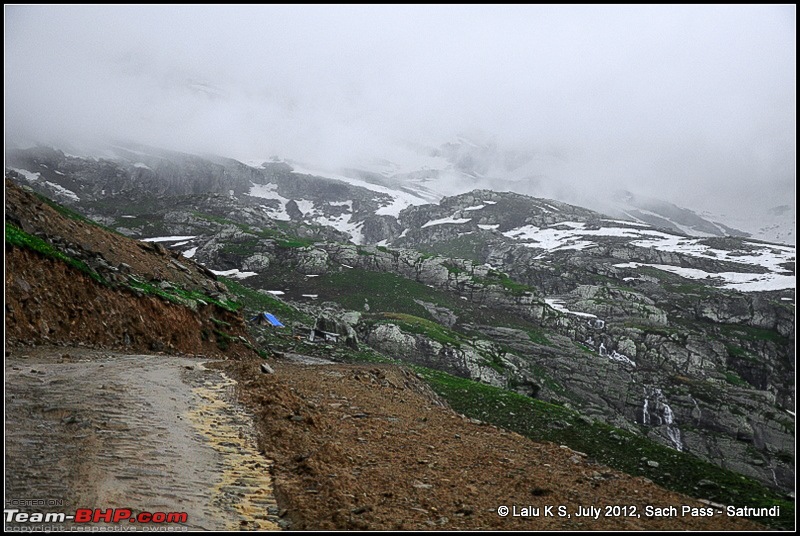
{"x":692,"y":104}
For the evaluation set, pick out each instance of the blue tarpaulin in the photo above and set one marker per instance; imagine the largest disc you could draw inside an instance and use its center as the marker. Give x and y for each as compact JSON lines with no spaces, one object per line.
{"x":272,"y":320}
{"x":269,"y":317}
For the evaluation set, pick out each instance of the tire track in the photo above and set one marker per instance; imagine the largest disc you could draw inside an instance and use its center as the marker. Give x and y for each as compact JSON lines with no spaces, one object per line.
{"x":149,"y":433}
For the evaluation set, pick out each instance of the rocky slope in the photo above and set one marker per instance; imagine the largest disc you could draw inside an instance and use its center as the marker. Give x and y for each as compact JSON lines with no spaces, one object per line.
{"x":70,"y":281}
{"x":686,"y":340}
{"x":380,"y":451}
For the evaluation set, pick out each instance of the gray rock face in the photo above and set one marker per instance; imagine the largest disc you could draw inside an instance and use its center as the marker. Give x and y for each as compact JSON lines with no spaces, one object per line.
{"x":377,"y":228}
{"x":334,"y":322}
{"x":443,"y":315}
{"x":464,"y":361}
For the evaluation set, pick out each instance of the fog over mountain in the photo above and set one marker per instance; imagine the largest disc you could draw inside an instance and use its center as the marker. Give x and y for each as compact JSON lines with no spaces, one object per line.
{"x":693,"y":105}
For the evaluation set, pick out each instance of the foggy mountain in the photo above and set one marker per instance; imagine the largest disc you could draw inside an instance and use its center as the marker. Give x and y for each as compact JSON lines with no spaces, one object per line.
{"x":689,"y":105}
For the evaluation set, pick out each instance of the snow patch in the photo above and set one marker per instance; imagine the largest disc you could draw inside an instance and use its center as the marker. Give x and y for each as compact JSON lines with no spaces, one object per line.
{"x":626,"y":222}
{"x":742,"y":281}
{"x":270,"y":191}
{"x":167,"y":238}
{"x":235,"y":273}
{"x":63,"y":191}
{"x":443,"y":221}
{"x":770,"y":256}
{"x":558,"y":305}
{"x":29,"y":176}
{"x":189,"y":253}
{"x":621,"y":358}
{"x":400,"y":199}
{"x":305,"y":206}
{"x":549,"y":239}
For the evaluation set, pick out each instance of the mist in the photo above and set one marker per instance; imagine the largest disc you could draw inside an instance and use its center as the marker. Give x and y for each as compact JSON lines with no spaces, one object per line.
{"x":695,"y":105}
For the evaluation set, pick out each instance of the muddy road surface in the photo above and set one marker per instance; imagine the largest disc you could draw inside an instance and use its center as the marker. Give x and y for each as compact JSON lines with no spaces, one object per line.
{"x":149,"y":433}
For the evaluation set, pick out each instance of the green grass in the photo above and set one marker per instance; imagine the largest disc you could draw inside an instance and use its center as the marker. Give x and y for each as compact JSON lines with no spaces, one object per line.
{"x":452,"y":268}
{"x":741,"y":353}
{"x":543,"y":376}
{"x":538,"y":337}
{"x":220,"y":323}
{"x":654,"y":329}
{"x":17,"y":237}
{"x":244,"y":247}
{"x":495,"y":363}
{"x":282,"y":236}
{"x":390,"y":293}
{"x":734,"y":379}
{"x":216,"y":219}
{"x":692,"y":289}
{"x":182,"y":297}
{"x":498,"y":278}
{"x":616,"y":448}
{"x":750,"y":333}
{"x":132,"y":223}
{"x":223,"y":339}
{"x":384,"y":292}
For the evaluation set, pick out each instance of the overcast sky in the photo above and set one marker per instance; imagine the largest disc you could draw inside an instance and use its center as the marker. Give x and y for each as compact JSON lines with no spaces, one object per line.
{"x":695,"y":104}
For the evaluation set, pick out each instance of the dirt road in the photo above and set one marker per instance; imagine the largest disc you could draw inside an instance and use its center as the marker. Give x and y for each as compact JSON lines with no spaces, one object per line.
{"x":150,"y":433}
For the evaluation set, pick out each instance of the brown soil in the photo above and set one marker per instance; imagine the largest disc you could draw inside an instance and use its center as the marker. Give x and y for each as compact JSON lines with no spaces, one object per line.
{"x":48,"y":302}
{"x":370,"y":447}
{"x":150,"y":261}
